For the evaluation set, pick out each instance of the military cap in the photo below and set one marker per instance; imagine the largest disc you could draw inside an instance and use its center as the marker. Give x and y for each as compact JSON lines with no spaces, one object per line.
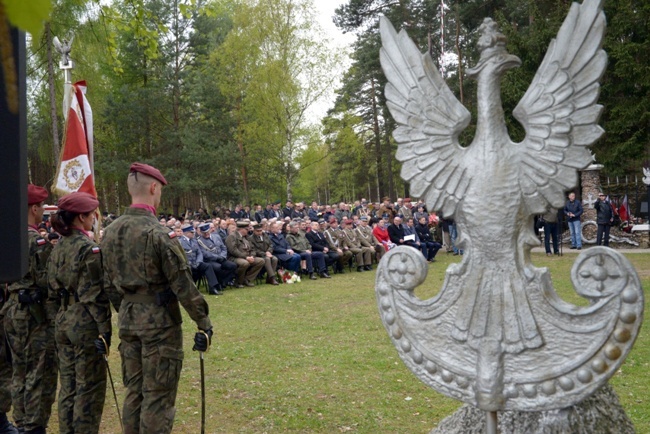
{"x":205,"y":227}
{"x":188,"y":228}
{"x":78,"y":202}
{"x":257,"y":226}
{"x":408,"y":199}
{"x":146,"y":169}
{"x":333,"y":219}
{"x":243,"y":223}
{"x":346,"y":221}
{"x":35,"y":194}
{"x":321,"y":221}
{"x":364,"y":218}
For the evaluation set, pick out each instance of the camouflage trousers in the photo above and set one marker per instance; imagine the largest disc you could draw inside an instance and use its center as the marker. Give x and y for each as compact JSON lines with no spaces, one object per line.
{"x":5,"y":373}
{"x":82,"y":375}
{"x":151,"y":367}
{"x":34,"y":363}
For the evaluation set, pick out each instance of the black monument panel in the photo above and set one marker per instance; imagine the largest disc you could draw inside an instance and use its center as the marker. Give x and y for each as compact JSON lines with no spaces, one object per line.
{"x":13,"y":171}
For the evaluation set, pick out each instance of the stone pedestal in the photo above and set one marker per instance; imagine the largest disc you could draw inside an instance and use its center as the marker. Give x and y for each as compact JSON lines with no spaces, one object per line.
{"x":590,"y":183}
{"x":601,"y":413}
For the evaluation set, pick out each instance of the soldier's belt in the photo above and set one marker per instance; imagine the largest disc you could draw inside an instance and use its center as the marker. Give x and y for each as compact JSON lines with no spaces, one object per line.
{"x":140,"y":298}
{"x":161,"y":298}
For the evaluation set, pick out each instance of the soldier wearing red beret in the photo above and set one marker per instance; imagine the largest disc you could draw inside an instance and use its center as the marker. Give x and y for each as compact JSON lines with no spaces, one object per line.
{"x":146,"y":265}
{"x":76,"y":280}
{"x":29,"y":328}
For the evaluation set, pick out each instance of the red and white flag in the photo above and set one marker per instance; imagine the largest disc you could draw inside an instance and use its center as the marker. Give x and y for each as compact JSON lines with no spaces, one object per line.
{"x":623,"y":210}
{"x":75,"y":171}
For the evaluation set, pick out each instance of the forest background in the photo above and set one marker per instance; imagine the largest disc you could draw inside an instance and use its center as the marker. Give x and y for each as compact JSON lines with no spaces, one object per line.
{"x":217,"y":93}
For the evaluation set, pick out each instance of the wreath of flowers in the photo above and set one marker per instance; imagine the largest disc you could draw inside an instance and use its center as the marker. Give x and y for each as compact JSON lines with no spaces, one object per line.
{"x":286,"y":276}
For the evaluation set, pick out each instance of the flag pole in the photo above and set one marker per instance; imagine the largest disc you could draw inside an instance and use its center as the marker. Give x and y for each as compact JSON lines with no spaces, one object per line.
{"x":66,"y":65}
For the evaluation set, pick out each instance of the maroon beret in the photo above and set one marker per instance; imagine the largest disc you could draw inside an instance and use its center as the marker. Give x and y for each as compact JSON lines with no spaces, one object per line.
{"x":145,"y":169}
{"x":78,"y":202}
{"x":35,"y":194}
{"x":333,"y":219}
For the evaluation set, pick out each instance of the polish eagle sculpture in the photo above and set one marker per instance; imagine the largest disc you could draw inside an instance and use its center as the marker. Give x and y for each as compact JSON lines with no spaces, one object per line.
{"x":497,"y":336}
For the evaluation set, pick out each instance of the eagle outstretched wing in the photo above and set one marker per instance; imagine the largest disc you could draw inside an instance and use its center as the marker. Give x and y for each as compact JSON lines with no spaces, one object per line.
{"x":429,"y":119}
{"x":559,"y":110}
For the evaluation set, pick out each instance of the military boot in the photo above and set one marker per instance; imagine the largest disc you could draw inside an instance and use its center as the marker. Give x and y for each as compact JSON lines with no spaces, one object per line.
{"x":7,"y":427}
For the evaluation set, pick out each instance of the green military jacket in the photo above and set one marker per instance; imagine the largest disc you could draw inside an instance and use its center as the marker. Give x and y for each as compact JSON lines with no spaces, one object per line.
{"x":352,"y":239}
{"x":75,"y":266}
{"x":298,"y":242}
{"x":238,"y":246}
{"x":336,"y":238}
{"x":261,"y":244}
{"x":140,"y":256}
{"x":35,"y":280}
{"x":366,"y":237}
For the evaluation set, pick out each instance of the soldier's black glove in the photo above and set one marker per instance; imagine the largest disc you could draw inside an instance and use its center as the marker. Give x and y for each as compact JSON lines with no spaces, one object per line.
{"x":99,"y":343}
{"x":202,"y":340}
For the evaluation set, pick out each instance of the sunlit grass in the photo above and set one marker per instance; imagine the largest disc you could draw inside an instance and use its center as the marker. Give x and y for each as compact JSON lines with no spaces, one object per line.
{"x":313,"y":357}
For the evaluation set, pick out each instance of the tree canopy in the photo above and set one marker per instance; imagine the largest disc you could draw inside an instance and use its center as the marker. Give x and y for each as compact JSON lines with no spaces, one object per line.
{"x":217,"y":93}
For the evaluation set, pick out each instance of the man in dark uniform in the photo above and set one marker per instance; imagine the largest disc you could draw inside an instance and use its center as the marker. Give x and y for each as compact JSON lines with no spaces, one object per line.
{"x":319,"y":244}
{"x":195,"y":259}
{"x":147,"y":267}
{"x":29,"y":327}
{"x":215,"y":254}
{"x":604,"y":219}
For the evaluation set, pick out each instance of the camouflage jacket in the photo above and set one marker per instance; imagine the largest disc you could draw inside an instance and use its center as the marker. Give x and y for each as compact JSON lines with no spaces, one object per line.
{"x":36,"y":278}
{"x":142,"y":257}
{"x":298,"y":242}
{"x":75,"y":266}
{"x":261,"y":245}
{"x":238,"y":246}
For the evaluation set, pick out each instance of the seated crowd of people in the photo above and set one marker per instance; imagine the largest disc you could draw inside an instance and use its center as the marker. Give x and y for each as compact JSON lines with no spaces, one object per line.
{"x":229,"y":249}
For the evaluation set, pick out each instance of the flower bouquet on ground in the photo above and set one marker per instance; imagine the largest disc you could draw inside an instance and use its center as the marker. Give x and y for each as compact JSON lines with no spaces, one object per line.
{"x":286,"y":276}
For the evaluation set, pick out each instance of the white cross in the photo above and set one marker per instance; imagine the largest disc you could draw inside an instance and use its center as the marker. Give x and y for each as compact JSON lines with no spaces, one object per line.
{"x":590,"y":201}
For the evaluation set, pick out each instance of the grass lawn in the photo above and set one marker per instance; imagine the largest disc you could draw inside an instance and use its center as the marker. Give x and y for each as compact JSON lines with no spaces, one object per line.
{"x":313,"y":357}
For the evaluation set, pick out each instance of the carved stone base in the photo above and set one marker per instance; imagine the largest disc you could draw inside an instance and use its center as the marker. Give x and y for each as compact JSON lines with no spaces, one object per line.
{"x":601,"y":413}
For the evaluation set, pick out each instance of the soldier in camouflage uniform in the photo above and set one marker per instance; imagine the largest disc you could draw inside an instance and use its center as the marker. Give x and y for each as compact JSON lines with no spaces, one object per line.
{"x":147,"y":266}
{"x":29,"y":328}
{"x":76,"y":279}
{"x":6,"y":427}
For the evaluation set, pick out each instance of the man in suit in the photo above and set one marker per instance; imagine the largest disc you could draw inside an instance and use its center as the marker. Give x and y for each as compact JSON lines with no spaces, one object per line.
{"x":287,"y":210}
{"x":281,"y":249}
{"x":319,"y":244}
{"x":396,"y":232}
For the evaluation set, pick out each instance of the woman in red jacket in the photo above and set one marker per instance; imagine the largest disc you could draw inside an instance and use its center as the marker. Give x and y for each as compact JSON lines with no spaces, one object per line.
{"x":381,"y":233}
